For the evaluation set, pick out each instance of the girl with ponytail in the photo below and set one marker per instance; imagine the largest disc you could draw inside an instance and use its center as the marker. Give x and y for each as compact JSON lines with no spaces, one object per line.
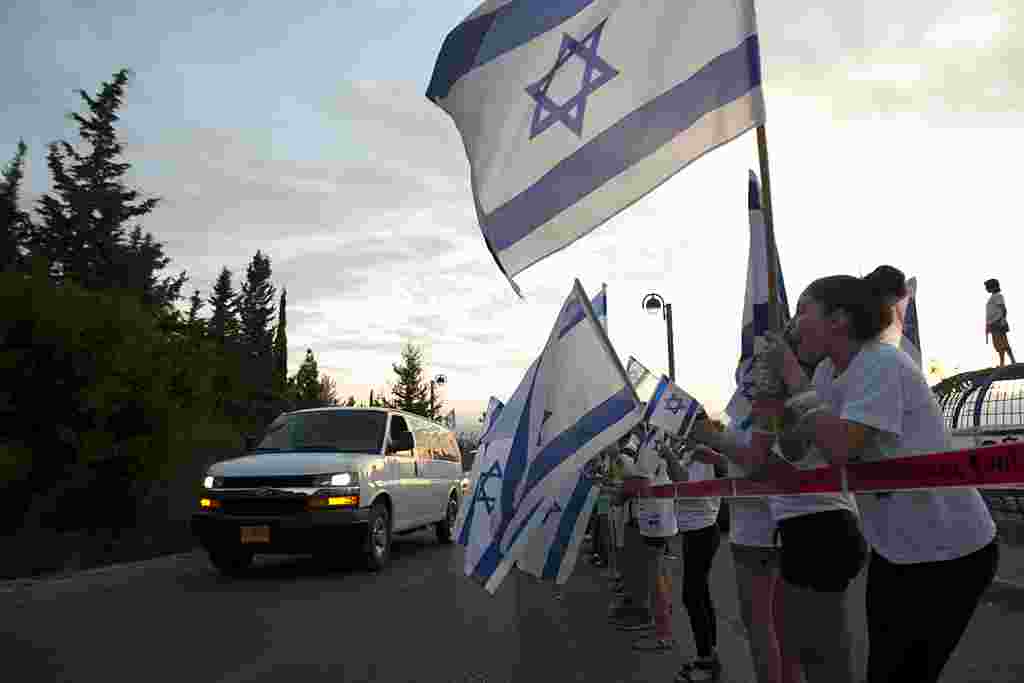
{"x":868,"y":401}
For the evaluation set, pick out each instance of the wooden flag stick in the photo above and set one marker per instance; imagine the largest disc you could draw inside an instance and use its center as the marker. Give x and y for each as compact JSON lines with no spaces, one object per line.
{"x":769,"y":225}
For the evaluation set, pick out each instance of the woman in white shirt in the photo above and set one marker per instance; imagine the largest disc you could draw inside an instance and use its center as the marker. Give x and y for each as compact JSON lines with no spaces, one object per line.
{"x":759,"y":588}
{"x":869,"y":401}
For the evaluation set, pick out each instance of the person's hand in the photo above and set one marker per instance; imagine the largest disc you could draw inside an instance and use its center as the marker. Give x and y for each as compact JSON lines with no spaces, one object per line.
{"x":781,"y":358}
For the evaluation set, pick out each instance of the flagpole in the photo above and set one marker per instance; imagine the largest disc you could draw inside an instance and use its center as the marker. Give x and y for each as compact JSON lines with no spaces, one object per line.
{"x":769,"y":226}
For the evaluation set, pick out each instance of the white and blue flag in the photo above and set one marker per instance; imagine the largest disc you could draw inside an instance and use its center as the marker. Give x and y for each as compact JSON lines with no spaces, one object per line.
{"x":574,"y":401}
{"x":671,"y":409}
{"x":571,"y":110}
{"x":757,"y":313}
{"x":644,"y":381}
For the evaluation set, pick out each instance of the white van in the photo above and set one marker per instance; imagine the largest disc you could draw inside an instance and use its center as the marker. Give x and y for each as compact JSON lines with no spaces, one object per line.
{"x":329,"y":481}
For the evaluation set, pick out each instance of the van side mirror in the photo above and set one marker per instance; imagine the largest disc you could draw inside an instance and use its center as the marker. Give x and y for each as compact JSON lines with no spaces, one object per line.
{"x":400,"y":442}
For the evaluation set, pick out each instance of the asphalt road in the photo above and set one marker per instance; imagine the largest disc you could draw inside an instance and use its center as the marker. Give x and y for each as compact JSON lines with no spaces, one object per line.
{"x":293,"y":618}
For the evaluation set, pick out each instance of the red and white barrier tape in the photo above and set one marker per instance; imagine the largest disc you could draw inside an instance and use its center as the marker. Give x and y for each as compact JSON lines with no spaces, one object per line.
{"x":999,"y":466}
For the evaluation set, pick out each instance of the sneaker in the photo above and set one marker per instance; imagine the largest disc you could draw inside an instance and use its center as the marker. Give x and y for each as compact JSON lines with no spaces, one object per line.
{"x":654,"y":644}
{"x":636,"y":623}
{"x":700,"y":670}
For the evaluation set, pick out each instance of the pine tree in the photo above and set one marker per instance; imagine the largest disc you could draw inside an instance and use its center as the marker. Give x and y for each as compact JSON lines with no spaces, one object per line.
{"x":256,"y":308}
{"x":281,"y":349}
{"x":223,"y":324}
{"x":195,"y":305}
{"x":410,"y":393}
{"x":328,"y":395}
{"x":307,"y":380}
{"x":84,"y":218}
{"x":15,"y":224}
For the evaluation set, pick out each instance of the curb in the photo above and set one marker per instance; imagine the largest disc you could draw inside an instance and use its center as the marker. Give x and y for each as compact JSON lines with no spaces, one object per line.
{"x":12,"y":585}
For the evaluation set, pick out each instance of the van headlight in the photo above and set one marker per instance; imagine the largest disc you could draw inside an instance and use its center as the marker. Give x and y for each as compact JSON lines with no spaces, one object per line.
{"x":211,"y":482}
{"x":343,"y":479}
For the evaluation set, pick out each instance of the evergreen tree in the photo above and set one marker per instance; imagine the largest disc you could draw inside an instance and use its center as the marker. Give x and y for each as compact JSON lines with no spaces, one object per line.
{"x":195,"y":305}
{"x":14,"y":223}
{"x":410,"y":393}
{"x":307,"y":380}
{"x":256,"y":308}
{"x":223,"y":324}
{"x":328,"y":395}
{"x":84,"y":218}
{"x":281,"y":349}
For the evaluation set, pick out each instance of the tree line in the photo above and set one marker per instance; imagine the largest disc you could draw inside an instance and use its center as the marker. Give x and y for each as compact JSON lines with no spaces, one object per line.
{"x":111,"y":381}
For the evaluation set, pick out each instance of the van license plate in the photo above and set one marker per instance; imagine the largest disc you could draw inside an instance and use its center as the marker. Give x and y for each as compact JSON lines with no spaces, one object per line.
{"x":255,"y":534}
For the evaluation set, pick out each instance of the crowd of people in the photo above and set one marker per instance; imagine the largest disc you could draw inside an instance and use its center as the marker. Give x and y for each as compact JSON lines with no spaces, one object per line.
{"x":851,"y":395}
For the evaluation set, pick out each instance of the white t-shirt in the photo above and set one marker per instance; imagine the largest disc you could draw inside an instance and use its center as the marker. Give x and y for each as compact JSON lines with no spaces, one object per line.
{"x":994,"y":308}
{"x":750,"y":519}
{"x":883,"y":389}
{"x":785,"y":507}
{"x":693,"y":514}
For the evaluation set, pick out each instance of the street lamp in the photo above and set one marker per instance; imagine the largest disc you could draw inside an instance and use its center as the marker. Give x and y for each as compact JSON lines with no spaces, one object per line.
{"x":440,"y":381}
{"x":654,"y":304}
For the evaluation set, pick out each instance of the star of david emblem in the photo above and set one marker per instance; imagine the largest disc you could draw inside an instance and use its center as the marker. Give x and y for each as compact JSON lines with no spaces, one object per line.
{"x":596,"y":73}
{"x":555,"y":507}
{"x":480,"y":495}
{"x":675,"y":404}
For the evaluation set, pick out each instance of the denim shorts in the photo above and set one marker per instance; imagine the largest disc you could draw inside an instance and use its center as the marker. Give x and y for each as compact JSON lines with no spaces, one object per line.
{"x":823,"y":551}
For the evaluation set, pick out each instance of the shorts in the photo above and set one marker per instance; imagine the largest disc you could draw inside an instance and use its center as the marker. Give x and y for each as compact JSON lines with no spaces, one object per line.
{"x":1000,"y":342}
{"x":755,"y":559}
{"x":655,"y":541}
{"x":822,"y":551}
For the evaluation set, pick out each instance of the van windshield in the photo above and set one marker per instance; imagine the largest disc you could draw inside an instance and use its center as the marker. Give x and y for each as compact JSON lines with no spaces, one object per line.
{"x":355,"y":431}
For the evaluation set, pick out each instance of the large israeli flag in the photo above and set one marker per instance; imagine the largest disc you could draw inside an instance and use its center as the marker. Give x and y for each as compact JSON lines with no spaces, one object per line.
{"x":757,"y":313}
{"x":571,"y":110}
{"x":671,"y":409}
{"x":573,"y":402}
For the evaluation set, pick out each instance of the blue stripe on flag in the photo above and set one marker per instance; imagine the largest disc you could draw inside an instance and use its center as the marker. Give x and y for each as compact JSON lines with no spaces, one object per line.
{"x":575,"y":437}
{"x":653,"y":403}
{"x":482,"y":39}
{"x":600,"y":304}
{"x":635,"y":137}
{"x":754,"y":194}
{"x":493,"y":556}
{"x":566,"y":527}
{"x":515,"y":465}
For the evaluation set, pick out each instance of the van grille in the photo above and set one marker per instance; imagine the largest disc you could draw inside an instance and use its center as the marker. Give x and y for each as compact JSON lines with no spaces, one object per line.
{"x":270,"y":505}
{"x":275,"y":482}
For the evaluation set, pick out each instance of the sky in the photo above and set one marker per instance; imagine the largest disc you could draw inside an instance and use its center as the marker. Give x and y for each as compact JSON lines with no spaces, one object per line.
{"x":302,"y":129}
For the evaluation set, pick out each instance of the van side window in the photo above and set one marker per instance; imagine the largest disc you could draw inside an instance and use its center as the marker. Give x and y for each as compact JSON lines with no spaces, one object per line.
{"x":398,"y":426}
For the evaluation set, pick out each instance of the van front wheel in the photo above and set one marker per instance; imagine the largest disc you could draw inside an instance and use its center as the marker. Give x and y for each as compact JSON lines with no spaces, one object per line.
{"x":446,"y":527}
{"x":378,"y":538}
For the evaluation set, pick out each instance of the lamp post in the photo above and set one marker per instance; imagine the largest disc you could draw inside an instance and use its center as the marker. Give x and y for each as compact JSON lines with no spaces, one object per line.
{"x":439,"y":380}
{"x":653,"y":304}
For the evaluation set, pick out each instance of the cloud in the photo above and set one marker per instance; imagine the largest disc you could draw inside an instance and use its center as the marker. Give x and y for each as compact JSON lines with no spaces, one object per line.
{"x":957,"y":68}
